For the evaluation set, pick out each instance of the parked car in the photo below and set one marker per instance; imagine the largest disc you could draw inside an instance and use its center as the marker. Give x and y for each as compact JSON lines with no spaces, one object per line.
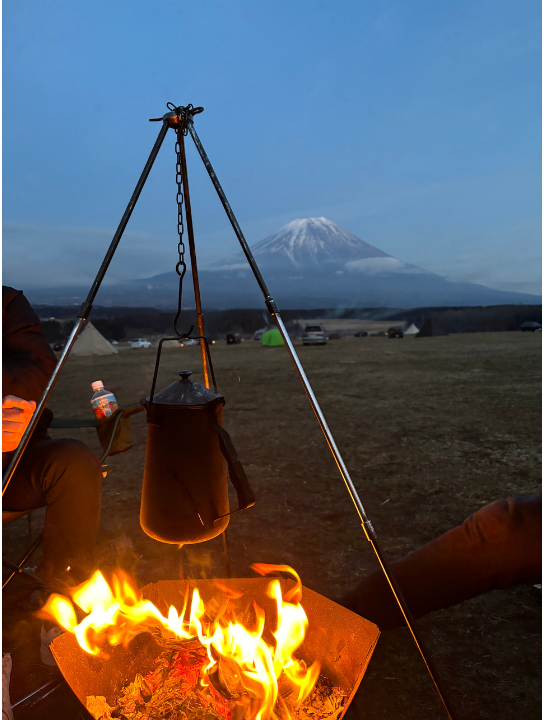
{"x":259,"y":334}
{"x":395,"y":332}
{"x":189,"y":341}
{"x":57,"y":347}
{"x":530,"y":326}
{"x":140,"y":343}
{"x":314,"y":335}
{"x":233,"y":339}
{"x":361,"y":333}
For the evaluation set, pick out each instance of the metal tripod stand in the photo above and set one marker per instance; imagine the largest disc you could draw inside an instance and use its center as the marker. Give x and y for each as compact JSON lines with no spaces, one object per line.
{"x":181,"y":120}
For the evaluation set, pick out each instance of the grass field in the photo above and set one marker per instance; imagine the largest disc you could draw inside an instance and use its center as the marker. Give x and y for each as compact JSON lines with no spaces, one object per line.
{"x":431,"y":429}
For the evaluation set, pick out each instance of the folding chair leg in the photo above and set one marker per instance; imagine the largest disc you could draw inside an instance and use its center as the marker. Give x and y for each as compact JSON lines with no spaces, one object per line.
{"x":19,"y":569}
{"x":13,"y":574}
{"x":45,"y":690}
{"x":112,"y":436}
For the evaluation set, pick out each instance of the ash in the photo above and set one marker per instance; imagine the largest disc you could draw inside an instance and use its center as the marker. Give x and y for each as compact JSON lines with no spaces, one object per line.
{"x":173,"y":692}
{"x":325,"y":701}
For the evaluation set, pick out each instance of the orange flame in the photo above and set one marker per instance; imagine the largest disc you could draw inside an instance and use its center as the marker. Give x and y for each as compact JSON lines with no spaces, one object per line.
{"x":251,"y":668}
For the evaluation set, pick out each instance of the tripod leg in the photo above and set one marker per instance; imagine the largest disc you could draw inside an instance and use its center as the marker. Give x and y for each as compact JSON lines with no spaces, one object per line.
{"x":365,"y":521}
{"x":84,"y":311}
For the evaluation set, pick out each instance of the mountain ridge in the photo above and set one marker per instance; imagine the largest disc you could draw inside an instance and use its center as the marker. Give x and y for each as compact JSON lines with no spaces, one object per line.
{"x":310,"y":262}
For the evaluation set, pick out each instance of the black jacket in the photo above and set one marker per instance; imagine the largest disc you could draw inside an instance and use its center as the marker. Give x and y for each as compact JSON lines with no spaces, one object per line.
{"x":27,"y":360}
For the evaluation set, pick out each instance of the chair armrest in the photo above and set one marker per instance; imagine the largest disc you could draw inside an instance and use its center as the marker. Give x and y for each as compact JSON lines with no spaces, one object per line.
{"x":127,"y":410}
{"x":73,"y":423}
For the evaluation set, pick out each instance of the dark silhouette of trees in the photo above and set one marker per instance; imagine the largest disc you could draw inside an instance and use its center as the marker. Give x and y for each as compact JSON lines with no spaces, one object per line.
{"x":117,"y":323}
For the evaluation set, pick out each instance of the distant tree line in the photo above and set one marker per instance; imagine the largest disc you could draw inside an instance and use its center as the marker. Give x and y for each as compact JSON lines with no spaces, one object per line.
{"x":119,"y":323}
{"x":148,"y":321}
{"x":494,"y":318}
{"x":57,"y":331}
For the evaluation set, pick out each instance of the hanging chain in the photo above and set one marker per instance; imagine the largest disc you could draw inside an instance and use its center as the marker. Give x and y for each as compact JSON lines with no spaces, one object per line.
{"x":181,"y":267}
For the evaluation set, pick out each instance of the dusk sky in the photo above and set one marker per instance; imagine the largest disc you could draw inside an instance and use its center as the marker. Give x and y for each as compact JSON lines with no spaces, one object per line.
{"x":414,"y":125}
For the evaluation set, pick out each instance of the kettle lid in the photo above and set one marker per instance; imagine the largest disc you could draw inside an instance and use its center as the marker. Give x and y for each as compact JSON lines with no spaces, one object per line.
{"x":185,"y":392}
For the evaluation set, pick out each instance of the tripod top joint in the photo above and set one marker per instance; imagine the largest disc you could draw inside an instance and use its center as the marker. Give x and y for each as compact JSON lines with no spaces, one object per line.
{"x":178,"y":113}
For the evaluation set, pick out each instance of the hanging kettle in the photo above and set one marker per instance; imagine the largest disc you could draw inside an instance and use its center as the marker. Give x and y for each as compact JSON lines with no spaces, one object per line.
{"x":185,"y":494}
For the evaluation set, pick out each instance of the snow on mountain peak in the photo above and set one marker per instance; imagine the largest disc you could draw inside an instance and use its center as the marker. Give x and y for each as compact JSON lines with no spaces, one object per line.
{"x":312,"y":240}
{"x":309,"y":241}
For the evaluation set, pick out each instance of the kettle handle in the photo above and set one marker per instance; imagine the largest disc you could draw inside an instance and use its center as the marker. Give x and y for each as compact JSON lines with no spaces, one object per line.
{"x":149,"y":405}
{"x":237,"y":475}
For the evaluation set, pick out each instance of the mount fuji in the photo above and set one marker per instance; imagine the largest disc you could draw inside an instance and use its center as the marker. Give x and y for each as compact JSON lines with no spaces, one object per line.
{"x":313,"y":241}
{"x":309,"y":263}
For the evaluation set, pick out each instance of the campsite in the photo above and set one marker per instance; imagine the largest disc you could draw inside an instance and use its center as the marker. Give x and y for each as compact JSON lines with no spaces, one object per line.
{"x":272,"y":363}
{"x":431,"y":429}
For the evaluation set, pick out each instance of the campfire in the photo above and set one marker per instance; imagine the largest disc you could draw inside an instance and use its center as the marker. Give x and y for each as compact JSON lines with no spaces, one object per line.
{"x":242,"y":649}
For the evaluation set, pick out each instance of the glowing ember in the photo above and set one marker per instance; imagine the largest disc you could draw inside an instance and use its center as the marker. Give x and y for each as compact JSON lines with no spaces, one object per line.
{"x":239,"y":668}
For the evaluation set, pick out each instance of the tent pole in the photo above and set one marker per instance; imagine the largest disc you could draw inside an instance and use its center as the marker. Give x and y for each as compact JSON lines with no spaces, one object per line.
{"x":365,"y":521}
{"x":85,"y":310}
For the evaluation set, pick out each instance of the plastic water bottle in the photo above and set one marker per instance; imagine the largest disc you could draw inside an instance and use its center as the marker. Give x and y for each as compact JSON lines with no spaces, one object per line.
{"x":103,"y":401}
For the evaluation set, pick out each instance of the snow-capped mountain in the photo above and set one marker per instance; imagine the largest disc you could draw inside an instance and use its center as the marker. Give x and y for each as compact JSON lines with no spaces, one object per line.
{"x":311,"y":241}
{"x":309,"y":263}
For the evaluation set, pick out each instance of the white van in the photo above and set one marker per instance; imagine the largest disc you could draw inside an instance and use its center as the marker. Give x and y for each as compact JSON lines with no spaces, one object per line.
{"x":140,"y":343}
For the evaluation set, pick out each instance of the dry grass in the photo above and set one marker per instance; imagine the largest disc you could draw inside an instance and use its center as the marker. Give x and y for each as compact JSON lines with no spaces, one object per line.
{"x":431,"y":430}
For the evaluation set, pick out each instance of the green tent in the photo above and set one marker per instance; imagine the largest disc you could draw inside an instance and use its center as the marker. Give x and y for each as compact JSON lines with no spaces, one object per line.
{"x":272,"y":337}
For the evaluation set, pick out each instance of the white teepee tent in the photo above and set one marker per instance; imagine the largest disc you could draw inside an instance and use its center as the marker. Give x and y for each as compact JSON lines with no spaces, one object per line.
{"x":412,"y":330}
{"x":91,"y":342}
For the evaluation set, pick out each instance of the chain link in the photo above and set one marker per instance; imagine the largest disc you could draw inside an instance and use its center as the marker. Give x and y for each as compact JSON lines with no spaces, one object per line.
{"x":181,"y":267}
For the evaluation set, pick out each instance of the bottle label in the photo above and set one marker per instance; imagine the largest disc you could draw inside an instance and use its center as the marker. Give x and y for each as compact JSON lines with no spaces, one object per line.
{"x":104,"y":406}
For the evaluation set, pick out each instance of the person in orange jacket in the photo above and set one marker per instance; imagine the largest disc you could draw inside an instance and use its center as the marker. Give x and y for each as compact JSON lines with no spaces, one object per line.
{"x":498,"y":546}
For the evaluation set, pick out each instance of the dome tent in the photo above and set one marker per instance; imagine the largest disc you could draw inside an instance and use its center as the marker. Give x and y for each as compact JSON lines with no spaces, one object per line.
{"x":272,"y":338}
{"x":91,"y":342}
{"x":412,"y":330}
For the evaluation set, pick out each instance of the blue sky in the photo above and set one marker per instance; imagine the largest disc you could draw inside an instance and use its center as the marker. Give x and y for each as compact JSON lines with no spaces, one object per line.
{"x":414,"y":125}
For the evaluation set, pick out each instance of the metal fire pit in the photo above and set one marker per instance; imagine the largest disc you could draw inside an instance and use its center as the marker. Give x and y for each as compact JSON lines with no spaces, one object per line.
{"x":339,"y":639}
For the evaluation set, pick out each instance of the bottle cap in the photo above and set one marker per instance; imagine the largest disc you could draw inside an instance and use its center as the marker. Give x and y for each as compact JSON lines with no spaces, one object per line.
{"x":98,"y":385}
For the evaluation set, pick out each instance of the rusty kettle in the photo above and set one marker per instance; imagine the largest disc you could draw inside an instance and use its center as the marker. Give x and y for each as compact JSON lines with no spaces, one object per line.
{"x":185,"y":494}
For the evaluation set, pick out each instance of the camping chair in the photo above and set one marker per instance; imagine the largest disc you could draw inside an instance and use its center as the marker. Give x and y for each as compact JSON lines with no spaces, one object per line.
{"x":115,"y":436}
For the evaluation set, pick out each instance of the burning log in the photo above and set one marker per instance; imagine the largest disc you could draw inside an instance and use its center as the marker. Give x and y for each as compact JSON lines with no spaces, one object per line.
{"x":254,"y":655}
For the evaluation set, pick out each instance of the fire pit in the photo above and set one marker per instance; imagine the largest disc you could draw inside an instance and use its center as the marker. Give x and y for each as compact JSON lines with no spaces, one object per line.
{"x":336,"y":639}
